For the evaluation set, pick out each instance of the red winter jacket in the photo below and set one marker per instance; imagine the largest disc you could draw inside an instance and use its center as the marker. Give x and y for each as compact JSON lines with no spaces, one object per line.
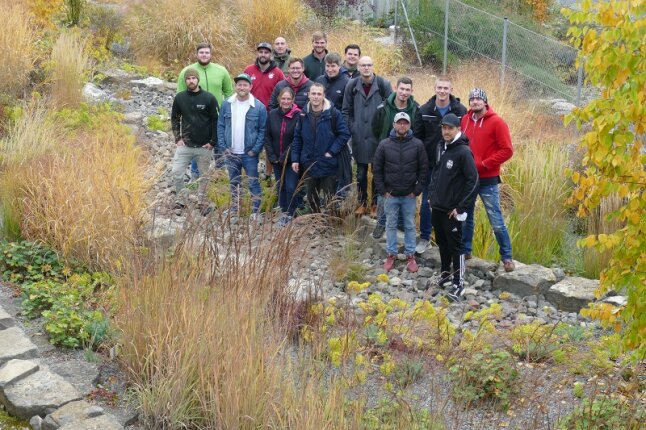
{"x":490,"y":142}
{"x":264,"y":82}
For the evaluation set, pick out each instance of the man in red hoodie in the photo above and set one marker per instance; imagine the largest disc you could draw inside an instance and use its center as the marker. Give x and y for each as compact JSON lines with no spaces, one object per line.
{"x":490,"y":143}
{"x":297,"y":80}
{"x":264,"y":74}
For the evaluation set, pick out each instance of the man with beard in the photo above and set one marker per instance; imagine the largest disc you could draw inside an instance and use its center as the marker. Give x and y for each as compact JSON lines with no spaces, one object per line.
{"x":194,"y":116}
{"x":314,"y":63}
{"x":427,"y":127}
{"x":264,"y":73}
{"x":281,"y":54}
{"x":299,"y":83}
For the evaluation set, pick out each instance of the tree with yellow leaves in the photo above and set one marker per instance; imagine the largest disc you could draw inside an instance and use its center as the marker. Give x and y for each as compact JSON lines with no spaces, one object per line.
{"x":611,"y":36}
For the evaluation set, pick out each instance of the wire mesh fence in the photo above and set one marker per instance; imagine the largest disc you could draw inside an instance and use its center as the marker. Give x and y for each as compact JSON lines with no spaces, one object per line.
{"x":450,"y":31}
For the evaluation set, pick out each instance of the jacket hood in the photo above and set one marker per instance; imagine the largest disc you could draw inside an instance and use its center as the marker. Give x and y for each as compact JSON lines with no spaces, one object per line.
{"x":285,"y":55}
{"x":478,"y":123}
{"x":272,"y":65}
{"x":391,"y":101}
{"x":462,"y":140}
{"x":393,"y":135}
{"x":326,"y":106}
{"x":296,"y":87}
{"x":290,"y":113}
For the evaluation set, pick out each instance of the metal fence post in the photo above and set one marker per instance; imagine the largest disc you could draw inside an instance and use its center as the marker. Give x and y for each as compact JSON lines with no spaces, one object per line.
{"x":446,"y":36}
{"x":395,"y":33}
{"x":505,"y":27}
{"x":579,"y":84}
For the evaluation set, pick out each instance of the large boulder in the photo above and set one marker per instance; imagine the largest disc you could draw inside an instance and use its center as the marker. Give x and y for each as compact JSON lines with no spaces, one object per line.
{"x":37,"y":394}
{"x":526,"y":280}
{"x":14,"y":343}
{"x":572,"y":293}
{"x":80,"y":415}
{"x":94,"y":94}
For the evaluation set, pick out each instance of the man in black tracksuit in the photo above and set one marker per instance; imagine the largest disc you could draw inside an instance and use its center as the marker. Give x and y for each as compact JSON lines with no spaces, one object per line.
{"x":454,"y":187}
{"x":194,"y":118}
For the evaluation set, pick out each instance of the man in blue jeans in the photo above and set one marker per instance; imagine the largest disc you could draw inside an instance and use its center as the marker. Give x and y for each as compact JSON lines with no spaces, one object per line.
{"x":241,"y":135}
{"x":490,"y":143}
{"x":400,"y":169}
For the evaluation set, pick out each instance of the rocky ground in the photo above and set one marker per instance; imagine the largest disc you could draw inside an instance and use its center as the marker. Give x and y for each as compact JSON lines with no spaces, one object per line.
{"x":530,"y":293}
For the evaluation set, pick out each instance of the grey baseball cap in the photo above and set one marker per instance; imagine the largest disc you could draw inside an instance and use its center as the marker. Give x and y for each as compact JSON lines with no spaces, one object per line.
{"x":401,"y":115}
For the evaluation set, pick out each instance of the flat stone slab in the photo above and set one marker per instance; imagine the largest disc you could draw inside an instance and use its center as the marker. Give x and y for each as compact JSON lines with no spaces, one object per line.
{"x":526,"y":280}
{"x":37,"y":394}
{"x":80,"y":415}
{"x":5,"y":319}
{"x":572,"y":293}
{"x":16,"y":369}
{"x":14,"y":343}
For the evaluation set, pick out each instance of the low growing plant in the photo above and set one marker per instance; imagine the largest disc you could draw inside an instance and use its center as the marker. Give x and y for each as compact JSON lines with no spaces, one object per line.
{"x":605,"y":413}
{"x":24,"y":262}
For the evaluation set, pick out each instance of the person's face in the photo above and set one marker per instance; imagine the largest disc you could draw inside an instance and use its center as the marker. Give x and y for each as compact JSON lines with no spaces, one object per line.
{"x":403,"y":92}
{"x":296,"y":71}
{"x":280,"y":45}
{"x":316,"y":97}
{"x":477,"y":105}
{"x":442,"y":90}
{"x":366,"y":67}
{"x":352,"y":57}
{"x":286,"y":101}
{"x":204,"y":56}
{"x":401,"y":127}
{"x":263,"y":55}
{"x":192,"y":83}
{"x":243,"y":88}
{"x":319,"y":46}
{"x":449,"y":132}
{"x":332,"y":69}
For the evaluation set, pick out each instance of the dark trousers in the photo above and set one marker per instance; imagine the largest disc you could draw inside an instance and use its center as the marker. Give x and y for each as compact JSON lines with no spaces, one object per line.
{"x":319,"y":190}
{"x":362,"y":185}
{"x":448,"y":235}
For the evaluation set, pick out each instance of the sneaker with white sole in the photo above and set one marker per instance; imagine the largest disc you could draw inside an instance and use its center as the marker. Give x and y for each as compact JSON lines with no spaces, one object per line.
{"x":378,"y":232}
{"x":422,"y":245}
{"x":456,"y":293}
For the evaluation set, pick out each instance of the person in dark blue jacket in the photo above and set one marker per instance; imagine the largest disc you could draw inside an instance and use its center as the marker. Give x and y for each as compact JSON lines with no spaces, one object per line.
{"x":333,"y":80}
{"x":318,"y":140}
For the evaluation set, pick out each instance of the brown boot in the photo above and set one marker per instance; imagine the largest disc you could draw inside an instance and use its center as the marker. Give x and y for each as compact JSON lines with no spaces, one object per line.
{"x":508,"y":265}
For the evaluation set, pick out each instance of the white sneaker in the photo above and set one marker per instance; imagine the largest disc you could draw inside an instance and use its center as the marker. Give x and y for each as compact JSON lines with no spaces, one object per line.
{"x":422,"y":245}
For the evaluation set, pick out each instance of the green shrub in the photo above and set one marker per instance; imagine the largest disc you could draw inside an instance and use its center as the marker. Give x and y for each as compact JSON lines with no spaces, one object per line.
{"x":392,"y":414}
{"x":485,"y":376}
{"x":605,"y":413}
{"x":24,"y":262}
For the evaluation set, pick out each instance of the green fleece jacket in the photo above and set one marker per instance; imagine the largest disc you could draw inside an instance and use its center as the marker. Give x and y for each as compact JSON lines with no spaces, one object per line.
{"x":214,"y":78}
{"x":382,"y":122}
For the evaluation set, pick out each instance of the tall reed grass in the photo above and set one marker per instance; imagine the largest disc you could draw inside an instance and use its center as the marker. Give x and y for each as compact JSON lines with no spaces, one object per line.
{"x":69,"y":61}
{"x":264,"y":20}
{"x":17,"y":48}
{"x":205,"y":335}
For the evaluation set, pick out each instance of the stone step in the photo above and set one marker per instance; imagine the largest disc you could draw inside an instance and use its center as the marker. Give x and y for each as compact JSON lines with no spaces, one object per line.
{"x":5,"y":319}
{"x":37,"y":394}
{"x":80,"y":415}
{"x":15,"y":370}
{"x":14,"y":343}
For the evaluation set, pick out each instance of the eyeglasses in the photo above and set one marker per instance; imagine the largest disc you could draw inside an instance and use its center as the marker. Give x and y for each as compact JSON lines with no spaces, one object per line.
{"x":365,"y":65}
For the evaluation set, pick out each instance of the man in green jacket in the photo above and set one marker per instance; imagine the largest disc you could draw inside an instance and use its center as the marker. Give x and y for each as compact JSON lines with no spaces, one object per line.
{"x":214,"y":78}
{"x":382,"y":125}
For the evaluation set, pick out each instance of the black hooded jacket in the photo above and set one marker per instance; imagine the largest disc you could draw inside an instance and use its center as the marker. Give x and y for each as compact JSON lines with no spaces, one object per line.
{"x":427,"y":124}
{"x":454,"y":184}
{"x":400,"y":166}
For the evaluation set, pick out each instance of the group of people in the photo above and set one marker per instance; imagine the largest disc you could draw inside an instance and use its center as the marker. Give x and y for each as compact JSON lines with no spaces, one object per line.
{"x":313,"y":115}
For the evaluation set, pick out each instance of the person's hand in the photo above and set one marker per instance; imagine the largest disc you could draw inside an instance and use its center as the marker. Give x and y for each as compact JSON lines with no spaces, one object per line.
{"x":251,"y":153}
{"x":207,"y":146}
{"x":295,"y":167}
{"x":180,"y":143}
{"x":453,"y":214}
{"x":328,"y":155}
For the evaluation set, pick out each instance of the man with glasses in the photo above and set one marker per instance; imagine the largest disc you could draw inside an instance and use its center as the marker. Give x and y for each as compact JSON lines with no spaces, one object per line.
{"x":299,"y":83}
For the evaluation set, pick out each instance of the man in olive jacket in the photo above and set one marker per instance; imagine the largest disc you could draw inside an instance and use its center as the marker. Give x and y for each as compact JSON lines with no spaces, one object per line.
{"x":363,"y":95}
{"x":400,"y":169}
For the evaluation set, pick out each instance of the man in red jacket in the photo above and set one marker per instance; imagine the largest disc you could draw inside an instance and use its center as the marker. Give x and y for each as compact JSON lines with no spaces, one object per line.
{"x":264,"y":74}
{"x":490,"y":143}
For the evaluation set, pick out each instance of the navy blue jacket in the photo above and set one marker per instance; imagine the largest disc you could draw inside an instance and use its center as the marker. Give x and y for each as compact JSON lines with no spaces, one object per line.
{"x":310,"y":145}
{"x":334,"y":88}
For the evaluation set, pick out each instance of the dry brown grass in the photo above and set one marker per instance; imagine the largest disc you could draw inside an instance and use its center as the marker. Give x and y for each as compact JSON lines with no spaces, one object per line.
{"x":388,"y":60}
{"x":169,"y":31}
{"x":69,"y":61}
{"x":264,"y":20}
{"x":17,"y":50}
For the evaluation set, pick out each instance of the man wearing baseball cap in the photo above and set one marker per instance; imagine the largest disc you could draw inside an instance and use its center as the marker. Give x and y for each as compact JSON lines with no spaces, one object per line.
{"x":241,"y":135}
{"x":399,"y":170}
{"x":264,"y":73}
{"x":454,"y":186}
{"x":490,"y":143}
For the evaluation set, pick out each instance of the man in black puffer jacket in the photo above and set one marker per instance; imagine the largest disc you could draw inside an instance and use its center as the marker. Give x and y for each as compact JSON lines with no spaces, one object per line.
{"x":454,"y":187}
{"x":399,"y":171}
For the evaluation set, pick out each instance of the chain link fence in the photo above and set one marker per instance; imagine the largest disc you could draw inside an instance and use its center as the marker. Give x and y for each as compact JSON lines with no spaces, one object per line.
{"x":450,"y":31}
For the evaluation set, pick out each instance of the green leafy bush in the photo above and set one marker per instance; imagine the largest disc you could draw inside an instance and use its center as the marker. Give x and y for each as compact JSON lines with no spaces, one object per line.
{"x":24,"y":261}
{"x":605,"y":414}
{"x":485,"y":376}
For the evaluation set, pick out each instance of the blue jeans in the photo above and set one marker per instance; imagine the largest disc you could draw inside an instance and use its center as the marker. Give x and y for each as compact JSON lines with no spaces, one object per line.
{"x":491,"y":199}
{"x":288,"y":199}
{"x":425,"y":225}
{"x":381,"y":214}
{"x":406,"y":206}
{"x":235,"y":164}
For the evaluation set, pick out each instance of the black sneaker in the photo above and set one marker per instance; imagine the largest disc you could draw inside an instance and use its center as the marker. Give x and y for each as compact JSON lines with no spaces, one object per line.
{"x":456,"y":293}
{"x":378,"y":231}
